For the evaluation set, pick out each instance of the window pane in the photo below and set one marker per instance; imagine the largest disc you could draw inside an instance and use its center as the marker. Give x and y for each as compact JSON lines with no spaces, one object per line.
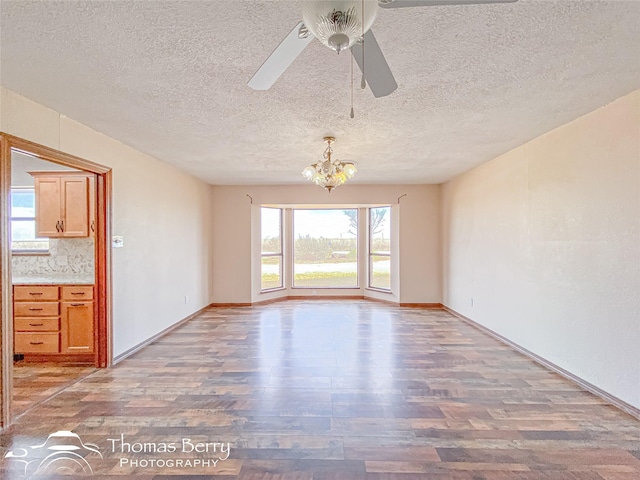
{"x":23,"y":202}
{"x":271,"y":230}
{"x":23,"y":230}
{"x":271,"y":272}
{"x":380,"y":230}
{"x":23,"y":236}
{"x":380,"y":272}
{"x":325,"y":248}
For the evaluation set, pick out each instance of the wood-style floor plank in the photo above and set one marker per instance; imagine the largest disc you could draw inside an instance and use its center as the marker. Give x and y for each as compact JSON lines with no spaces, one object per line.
{"x":35,"y":382}
{"x":332,"y":390}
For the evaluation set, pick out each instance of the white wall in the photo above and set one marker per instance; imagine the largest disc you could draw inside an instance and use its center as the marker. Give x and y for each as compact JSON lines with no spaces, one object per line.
{"x":417,"y":219}
{"x":545,"y":240}
{"x":163,"y":214}
{"x":22,"y":164}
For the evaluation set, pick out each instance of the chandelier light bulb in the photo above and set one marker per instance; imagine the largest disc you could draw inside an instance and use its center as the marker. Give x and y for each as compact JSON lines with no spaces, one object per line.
{"x":308,"y":172}
{"x":350,"y":170}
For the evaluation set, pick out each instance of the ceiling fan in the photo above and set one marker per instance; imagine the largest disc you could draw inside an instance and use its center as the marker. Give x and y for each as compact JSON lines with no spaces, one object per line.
{"x":342,"y":25}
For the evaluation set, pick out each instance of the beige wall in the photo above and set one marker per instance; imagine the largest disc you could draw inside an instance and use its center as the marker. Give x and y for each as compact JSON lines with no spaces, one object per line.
{"x":542,"y":245}
{"x":163,"y":214}
{"x":416,"y":222}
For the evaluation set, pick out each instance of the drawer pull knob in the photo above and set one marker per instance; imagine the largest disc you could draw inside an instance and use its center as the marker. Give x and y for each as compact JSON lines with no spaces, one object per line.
{"x":78,"y":293}
{"x":36,"y":343}
{"x":35,"y":293}
{"x":77,"y":304}
{"x":35,"y":309}
{"x":36,"y":324}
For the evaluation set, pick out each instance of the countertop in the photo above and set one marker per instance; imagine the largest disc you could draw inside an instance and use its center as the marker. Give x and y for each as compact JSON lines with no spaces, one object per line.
{"x":66,"y":279}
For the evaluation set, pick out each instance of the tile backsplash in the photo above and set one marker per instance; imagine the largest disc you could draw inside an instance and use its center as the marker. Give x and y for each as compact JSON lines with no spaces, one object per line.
{"x":67,"y":256}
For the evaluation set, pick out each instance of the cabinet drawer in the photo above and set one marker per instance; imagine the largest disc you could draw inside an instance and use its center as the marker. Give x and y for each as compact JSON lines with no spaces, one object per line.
{"x":83,"y":292}
{"x":35,"y":292}
{"x":37,"y":342}
{"x":36,"y":324}
{"x":35,"y":309}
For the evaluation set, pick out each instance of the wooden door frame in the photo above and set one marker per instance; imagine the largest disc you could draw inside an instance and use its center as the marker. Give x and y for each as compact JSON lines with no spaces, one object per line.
{"x":104,"y":356}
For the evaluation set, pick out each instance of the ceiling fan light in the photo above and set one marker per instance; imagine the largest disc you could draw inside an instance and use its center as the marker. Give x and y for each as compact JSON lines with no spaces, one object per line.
{"x":338,"y":42}
{"x":346,"y":18}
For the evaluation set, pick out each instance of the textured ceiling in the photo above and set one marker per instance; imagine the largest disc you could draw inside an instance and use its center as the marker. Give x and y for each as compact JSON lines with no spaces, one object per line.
{"x":169,"y":78}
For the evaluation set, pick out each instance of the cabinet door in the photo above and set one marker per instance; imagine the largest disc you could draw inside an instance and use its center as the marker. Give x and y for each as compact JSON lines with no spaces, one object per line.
{"x":76,"y":329}
{"x":48,"y":206}
{"x":75,"y":206}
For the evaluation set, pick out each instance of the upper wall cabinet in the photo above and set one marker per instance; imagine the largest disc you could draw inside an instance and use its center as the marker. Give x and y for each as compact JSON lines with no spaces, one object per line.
{"x":64,"y":204}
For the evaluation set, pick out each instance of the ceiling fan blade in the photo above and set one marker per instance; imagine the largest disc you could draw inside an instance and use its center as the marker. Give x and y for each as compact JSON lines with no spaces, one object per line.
{"x":376,"y":70}
{"x":279,"y":60}
{"x":433,"y":3}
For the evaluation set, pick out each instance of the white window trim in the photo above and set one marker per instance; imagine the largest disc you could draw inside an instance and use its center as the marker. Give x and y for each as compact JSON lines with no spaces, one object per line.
{"x":26,"y":251}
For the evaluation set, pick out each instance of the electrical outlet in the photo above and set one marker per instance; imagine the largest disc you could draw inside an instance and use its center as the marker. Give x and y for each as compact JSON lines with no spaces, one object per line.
{"x":186,"y":299}
{"x":472,"y":301}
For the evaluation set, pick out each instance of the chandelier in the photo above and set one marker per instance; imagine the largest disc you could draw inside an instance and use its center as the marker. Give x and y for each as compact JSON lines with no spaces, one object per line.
{"x":329,"y":173}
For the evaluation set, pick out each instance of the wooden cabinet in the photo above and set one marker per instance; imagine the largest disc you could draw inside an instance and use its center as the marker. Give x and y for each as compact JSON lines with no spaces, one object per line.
{"x":54,"y":321}
{"x":36,"y":312}
{"x":65,"y":204}
{"x":76,"y":331}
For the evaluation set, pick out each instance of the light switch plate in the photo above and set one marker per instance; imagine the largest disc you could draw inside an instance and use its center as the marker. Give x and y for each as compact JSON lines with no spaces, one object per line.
{"x":118,"y":241}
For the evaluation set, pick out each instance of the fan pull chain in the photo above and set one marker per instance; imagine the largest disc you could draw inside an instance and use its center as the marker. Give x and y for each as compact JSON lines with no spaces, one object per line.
{"x":352,"y":114}
{"x":363,"y":83}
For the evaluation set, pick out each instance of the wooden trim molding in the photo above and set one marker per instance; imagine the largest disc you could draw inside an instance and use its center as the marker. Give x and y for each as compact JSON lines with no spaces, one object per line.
{"x":239,"y":304}
{"x":598,"y":392}
{"x":6,"y":302}
{"x":430,"y":306}
{"x":427,"y":306}
{"x":102,"y":357}
{"x":157,"y":336}
{"x":53,"y":155}
{"x":104,"y":287}
{"x":88,"y":359}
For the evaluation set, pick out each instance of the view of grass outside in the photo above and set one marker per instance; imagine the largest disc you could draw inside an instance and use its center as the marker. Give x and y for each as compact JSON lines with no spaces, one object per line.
{"x":271,"y":228}
{"x":380,"y":248}
{"x":325,"y":248}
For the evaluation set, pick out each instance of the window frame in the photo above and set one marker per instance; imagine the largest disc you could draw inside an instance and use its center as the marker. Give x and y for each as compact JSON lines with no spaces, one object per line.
{"x":268,"y":255}
{"x":373,"y":253}
{"x":293,"y":250}
{"x":26,"y":251}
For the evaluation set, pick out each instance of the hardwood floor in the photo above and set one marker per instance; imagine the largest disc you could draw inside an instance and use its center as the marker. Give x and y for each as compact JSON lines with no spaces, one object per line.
{"x":331,"y":390}
{"x":35,"y":382}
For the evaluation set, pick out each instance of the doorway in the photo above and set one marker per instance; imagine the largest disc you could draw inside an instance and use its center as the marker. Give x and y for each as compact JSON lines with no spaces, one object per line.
{"x":61,"y":337}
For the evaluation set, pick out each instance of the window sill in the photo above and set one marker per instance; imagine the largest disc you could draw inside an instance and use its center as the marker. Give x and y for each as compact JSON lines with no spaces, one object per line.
{"x":379,"y":290}
{"x":30,"y":253}
{"x":325,"y":288}
{"x":271,"y":290}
